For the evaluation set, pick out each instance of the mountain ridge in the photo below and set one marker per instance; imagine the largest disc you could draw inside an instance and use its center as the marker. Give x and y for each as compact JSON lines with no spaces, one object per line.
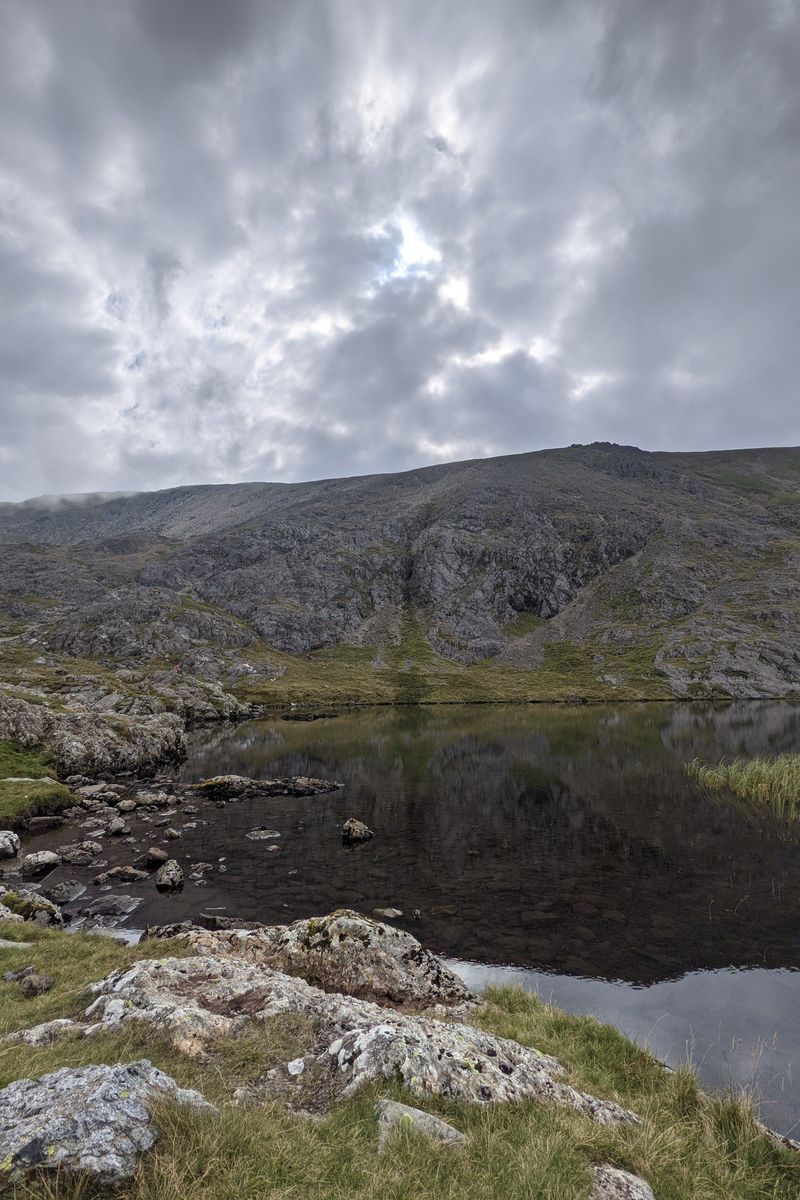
{"x":598,"y":571}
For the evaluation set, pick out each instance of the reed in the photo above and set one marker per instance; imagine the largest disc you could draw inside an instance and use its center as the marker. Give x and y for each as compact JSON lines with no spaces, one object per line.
{"x":774,"y":782}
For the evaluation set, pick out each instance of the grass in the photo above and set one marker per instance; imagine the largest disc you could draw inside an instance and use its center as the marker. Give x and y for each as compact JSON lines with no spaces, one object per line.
{"x":688,"y":1145}
{"x":774,"y":782}
{"x":24,"y":790}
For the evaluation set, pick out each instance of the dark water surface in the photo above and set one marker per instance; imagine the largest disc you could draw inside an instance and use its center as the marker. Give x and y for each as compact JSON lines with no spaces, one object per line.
{"x":564,"y":848}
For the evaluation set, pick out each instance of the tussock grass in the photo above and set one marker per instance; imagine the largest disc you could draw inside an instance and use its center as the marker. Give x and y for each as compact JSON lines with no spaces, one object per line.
{"x":689,"y":1145}
{"x":774,"y":782}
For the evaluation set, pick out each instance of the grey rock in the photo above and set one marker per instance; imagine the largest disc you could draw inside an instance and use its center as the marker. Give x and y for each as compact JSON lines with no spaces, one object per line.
{"x":171,"y":834}
{"x":169,"y":877}
{"x":18,"y":973}
{"x":9,"y":844}
{"x":122,"y":874}
{"x":47,"y":1033}
{"x":7,"y":915}
{"x":80,"y":854}
{"x":354,"y":831}
{"x":64,"y":892}
{"x":95,"y":1120}
{"x":118,"y":828}
{"x":113,"y":906}
{"x":393,"y":1117}
{"x":152,"y":857}
{"x":262,"y":835}
{"x":609,"y":1183}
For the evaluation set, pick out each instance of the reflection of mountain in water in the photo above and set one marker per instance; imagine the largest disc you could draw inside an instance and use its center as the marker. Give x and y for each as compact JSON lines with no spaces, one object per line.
{"x":543,"y":837}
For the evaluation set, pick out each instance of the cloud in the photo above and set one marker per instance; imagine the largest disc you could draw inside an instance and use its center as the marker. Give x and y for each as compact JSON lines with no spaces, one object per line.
{"x":260,"y":240}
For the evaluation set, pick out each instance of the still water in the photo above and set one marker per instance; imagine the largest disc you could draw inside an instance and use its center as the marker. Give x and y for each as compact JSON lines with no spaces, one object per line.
{"x":561,"y":848}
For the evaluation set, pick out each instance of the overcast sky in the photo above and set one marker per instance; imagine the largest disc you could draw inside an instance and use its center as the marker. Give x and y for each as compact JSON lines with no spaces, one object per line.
{"x":262,"y":239}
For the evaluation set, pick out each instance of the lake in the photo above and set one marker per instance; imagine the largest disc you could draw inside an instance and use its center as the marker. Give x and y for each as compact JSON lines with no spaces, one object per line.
{"x":561,"y":848}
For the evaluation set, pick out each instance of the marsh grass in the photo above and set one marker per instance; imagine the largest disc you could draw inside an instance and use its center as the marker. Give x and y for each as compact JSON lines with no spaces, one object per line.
{"x":773,"y":782}
{"x":688,"y":1145}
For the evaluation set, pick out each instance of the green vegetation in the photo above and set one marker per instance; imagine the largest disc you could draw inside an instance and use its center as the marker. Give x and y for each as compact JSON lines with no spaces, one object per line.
{"x":774,"y":782}
{"x":24,"y":789}
{"x":688,"y":1146}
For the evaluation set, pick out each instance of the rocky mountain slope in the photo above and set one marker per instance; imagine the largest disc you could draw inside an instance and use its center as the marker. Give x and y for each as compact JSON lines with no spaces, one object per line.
{"x":588,"y":572}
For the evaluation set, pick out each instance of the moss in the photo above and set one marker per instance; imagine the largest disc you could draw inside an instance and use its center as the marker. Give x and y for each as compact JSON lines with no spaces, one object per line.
{"x":28,"y":793}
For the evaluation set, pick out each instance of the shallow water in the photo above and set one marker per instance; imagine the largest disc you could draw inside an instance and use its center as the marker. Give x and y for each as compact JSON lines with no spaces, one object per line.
{"x":564,"y":845}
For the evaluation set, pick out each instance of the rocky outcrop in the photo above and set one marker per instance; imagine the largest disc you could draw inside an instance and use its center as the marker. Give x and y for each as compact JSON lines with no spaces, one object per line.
{"x":194,"y":1000}
{"x":355,"y":831}
{"x":345,"y":952}
{"x":95,"y":1120}
{"x":239,"y":787}
{"x":89,"y":744}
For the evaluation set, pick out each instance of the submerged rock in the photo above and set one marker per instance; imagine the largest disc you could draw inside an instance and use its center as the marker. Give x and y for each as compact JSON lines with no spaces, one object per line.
{"x":239,"y":787}
{"x":94,"y":1119}
{"x":195,"y":1000}
{"x":9,"y":844}
{"x":393,"y":1116}
{"x":345,"y":952}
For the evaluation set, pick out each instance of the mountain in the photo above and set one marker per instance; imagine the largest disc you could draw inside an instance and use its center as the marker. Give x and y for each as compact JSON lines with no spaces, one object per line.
{"x":598,"y":571}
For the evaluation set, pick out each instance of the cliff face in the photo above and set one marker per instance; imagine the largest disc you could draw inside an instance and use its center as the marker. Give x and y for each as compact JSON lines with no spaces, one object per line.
{"x":594,"y":570}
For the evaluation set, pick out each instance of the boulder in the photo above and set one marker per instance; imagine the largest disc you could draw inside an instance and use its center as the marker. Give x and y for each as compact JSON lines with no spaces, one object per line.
{"x":35,"y":985}
{"x":40,"y":863}
{"x":169,"y":877}
{"x":609,"y":1183}
{"x":345,"y":952}
{"x":153,"y":857}
{"x":7,"y":915}
{"x":354,"y":830}
{"x":9,"y":844}
{"x":192,"y":1001}
{"x":121,"y":874}
{"x":80,"y":854}
{"x":47,"y":1033}
{"x":96,"y":1120}
{"x":393,"y":1117}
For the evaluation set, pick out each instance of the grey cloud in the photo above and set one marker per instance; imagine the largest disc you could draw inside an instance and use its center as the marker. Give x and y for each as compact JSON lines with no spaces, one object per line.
{"x":257,"y":239}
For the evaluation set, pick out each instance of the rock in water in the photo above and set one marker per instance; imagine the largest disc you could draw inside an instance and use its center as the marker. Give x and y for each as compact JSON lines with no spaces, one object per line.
{"x":393,"y":1116}
{"x":169,"y":877}
{"x":195,"y":1000}
{"x":39,"y":863}
{"x":91,"y":1119}
{"x":356,"y":831}
{"x":240,"y":787}
{"x":9,"y":844}
{"x":613,"y":1184}
{"x":345,"y":952}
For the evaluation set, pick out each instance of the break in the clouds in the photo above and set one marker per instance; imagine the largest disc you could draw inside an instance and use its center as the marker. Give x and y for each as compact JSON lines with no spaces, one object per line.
{"x":253,"y":239}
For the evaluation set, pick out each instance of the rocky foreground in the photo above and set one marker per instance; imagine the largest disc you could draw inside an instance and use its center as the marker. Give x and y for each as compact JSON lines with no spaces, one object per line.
{"x":98,"y":1120}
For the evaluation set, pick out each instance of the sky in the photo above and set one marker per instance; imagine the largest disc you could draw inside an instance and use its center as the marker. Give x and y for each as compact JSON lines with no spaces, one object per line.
{"x":256,"y":239}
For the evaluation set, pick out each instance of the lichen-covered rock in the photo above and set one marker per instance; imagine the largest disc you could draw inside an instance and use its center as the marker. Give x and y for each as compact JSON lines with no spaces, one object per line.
{"x":7,"y":915}
{"x":240,"y":787}
{"x":345,"y":952}
{"x":30,"y":906}
{"x":609,"y":1183}
{"x":94,"y":1119}
{"x":194,"y":1000}
{"x":35,"y":984}
{"x":9,"y":844}
{"x":393,"y":1116}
